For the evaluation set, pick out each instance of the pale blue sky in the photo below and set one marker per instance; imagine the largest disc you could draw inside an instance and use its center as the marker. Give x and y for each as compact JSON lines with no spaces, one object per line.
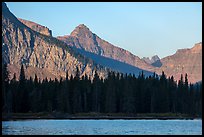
{"x":145,"y":29}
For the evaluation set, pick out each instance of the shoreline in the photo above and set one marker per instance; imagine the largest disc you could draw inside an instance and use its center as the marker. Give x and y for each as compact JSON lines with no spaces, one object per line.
{"x":96,"y":116}
{"x":91,"y":118}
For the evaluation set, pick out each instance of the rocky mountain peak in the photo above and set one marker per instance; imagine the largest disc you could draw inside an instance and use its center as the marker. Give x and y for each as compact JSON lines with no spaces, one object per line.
{"x":155,"y":58}
{"x":82,"y":26}
{"x":82,"y":38}
{"x":152,"y":60}
{"x":147,"y":60}
{"x":81,"y":31}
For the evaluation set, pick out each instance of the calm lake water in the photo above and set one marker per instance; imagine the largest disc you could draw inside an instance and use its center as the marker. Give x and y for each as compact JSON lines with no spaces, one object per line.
{"x":102,"y":127}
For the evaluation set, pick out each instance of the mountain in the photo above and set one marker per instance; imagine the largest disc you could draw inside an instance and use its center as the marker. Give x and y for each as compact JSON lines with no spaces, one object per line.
{"x":184,"y":61}
{"x":40,"y":54}
{"x":36,"y":27}
{"x":147,"y":60}
{"x":155,"y":58}
{"x":82,"y":38}
{"x":87,"y":42}
{"x":32,"y":44}
{"x":154,"y":61}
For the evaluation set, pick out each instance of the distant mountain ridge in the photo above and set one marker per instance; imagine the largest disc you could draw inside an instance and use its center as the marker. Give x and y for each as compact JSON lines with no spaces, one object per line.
{"x":154,"y":61}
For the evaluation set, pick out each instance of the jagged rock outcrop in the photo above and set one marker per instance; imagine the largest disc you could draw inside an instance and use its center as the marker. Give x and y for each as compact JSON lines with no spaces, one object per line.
{"x":81,"y":37}
{"x":36,"y":27}
{"x":154,"y":61}
{"x":147,"y":60}
{"x":184,"y":61}
{"x":154,"y":58}
{"x":42,"y":55}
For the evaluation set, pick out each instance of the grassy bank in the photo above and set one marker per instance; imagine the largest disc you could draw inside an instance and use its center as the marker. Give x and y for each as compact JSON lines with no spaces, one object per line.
{"x":93,"y":115}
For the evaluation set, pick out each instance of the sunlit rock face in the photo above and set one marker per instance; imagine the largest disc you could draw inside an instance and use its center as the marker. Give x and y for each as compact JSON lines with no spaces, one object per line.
{"x":36,"y":27}
{"x":184,"y":61}
{"x":40,"y":54}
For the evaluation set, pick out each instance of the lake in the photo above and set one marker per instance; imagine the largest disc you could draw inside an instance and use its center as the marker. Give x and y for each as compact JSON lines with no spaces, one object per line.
{"x":102,"y":127}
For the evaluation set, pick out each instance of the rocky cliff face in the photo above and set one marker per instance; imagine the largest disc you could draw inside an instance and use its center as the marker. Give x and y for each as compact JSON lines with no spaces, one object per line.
{"x":184,"y":61}
{"x":42,"y":55}
{"x":36,"y":27}
{"x":81,"y":37}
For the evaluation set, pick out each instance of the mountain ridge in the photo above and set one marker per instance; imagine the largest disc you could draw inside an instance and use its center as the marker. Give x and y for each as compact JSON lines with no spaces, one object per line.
{"x":184,"y":61}
{"x":42,"y":54}
{"x":84,"y":39}
{"x":82,"y":42}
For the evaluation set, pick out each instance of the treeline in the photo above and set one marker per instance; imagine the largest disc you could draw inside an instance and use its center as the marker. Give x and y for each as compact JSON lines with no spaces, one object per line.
{"x":118,"y":93}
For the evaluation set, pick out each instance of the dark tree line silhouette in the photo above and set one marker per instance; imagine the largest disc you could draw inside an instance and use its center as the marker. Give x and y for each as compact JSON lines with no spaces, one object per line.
{"x":118,"y":93}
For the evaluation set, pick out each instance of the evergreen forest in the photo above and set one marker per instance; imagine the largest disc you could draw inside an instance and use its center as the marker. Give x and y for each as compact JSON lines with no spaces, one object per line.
{"x":118,"y":93}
